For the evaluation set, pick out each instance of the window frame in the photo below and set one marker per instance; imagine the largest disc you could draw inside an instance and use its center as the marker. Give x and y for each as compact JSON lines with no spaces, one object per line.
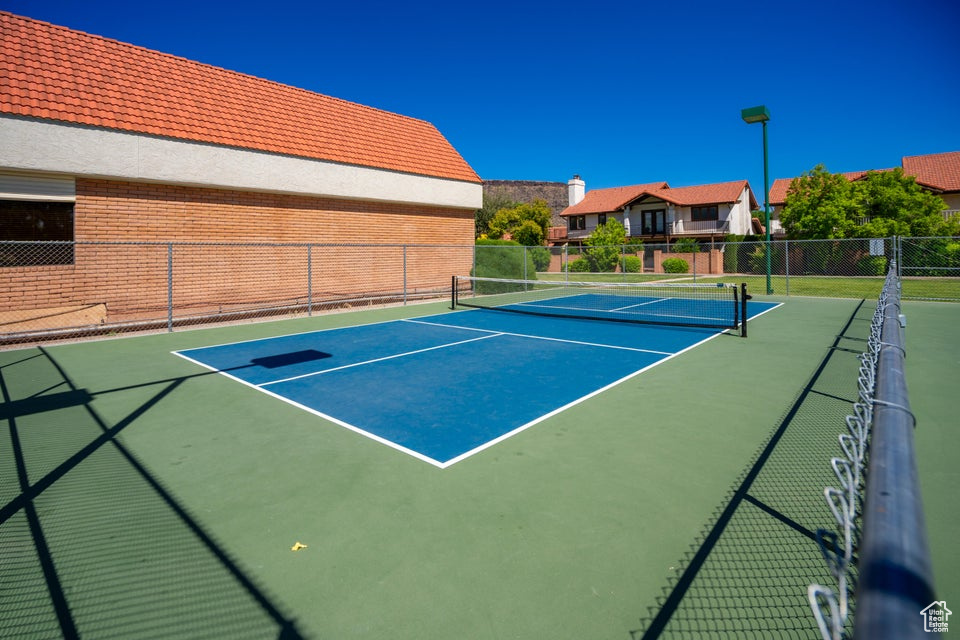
{"x":712,"y":215}
{"x":37,"y":232}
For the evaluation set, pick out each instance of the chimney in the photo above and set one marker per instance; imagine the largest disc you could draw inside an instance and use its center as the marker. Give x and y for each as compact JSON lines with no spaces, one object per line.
{"x":575,"y":187}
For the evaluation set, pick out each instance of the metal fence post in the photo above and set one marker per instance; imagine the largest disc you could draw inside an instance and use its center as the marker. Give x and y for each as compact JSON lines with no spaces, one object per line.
{"x":309,"y":280}
{"x":404,"y":275}
{"x":786,"y":264}
{"x":169,"y":287}
{"x":898,"y":255}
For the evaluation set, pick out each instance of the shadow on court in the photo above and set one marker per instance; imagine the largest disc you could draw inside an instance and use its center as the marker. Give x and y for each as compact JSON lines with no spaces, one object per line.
{"x":747,"y":574}
{"x":91,"y":544}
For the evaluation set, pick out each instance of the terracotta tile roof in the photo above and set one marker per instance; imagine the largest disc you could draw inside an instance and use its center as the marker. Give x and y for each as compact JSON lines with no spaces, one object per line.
{"x":604,"y":200}
{"x":940,"y":171}
{"x":720,"y":193}
{"x":616,"y":198}
{"x":778,"y":190}
{"x":55,"y":73}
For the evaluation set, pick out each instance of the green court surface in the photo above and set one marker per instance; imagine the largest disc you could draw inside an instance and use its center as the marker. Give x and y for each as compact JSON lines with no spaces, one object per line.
{"x":142,"y":496}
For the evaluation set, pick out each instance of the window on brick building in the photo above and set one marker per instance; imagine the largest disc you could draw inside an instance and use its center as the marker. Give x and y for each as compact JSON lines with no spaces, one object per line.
{"x":35,"y":233}
{"x":36,"y":219}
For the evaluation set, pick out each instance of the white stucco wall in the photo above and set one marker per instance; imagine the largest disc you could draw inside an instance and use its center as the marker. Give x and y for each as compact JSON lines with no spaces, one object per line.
{"x":33,"y":145}
{"x":739,"y":215}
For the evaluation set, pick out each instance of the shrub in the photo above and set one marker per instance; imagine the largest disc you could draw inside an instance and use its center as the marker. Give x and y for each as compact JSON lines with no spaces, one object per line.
{"x":685,"y":245}
{"x":580,"y":265}
{"x":631,"y":264}
{"x":871,"y":266}
{"x":501,"y":259}
{"x":540,"y":257}
{"x":758,"y":259}
{"x":675,"y":265}
{"x":730,"y":252}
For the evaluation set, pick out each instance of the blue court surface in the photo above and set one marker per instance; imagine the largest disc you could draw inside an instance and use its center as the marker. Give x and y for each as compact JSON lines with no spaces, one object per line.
{"x":444,"y":387}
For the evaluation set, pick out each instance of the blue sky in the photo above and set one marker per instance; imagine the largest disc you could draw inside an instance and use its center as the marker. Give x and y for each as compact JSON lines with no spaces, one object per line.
{"x":618,"y":92}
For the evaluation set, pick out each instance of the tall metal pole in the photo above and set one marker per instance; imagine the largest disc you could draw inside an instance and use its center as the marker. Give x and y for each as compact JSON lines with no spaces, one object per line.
{"x":766,"y":203}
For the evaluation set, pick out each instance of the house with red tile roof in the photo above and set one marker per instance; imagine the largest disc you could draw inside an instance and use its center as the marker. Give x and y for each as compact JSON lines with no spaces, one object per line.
{"x":107,"y":141}
{"x":656,"y":212}
{"x":938,"y":173}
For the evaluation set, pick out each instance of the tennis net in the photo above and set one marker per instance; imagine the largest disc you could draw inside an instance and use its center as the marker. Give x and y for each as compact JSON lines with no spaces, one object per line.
{"x":714,"y":306}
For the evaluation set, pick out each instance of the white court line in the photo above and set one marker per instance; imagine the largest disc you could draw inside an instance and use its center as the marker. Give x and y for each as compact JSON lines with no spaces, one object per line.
{"x":601,"y":311}
{"x":486,"y":445}
{"x":532,"y":337}
{"x":640,"y":304}
{"x":360,"y":364}
{"x":490,"y":443}
{"x":325,"y":416}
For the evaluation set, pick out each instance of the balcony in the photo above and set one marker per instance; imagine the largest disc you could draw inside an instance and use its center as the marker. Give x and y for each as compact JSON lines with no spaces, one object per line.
{"x":699,"y":227}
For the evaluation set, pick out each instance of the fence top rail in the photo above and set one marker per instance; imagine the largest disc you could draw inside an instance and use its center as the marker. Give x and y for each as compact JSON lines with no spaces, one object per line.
{"x":248,"y":243}
{"x":896,"y":575}
{"x":185,"y":243}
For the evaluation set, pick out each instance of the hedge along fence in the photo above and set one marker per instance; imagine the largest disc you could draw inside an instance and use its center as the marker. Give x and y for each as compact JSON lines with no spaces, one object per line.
{"x":930,"y":267}
{"x":704,"y":262}
{"x":851,"y":257}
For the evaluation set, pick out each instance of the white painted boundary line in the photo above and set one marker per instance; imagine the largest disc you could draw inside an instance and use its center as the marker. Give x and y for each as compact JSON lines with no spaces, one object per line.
{"x":558,"y":410}
{"x":360,"y":364}
{"x":533,"y":337}
{"x":486,"y":445}
{"x":599,"y":311}
{"x":337,"y":421}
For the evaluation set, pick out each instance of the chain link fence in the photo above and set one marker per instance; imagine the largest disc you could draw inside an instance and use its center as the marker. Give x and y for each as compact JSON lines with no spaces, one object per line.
{"x":64,"y":289}
{"x":69,"y":289}
{"x":851,"y":268}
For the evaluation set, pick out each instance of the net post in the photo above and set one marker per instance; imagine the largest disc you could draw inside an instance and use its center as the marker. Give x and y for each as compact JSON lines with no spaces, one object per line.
{"x":743,"y":309}
{"x":453,"y":292}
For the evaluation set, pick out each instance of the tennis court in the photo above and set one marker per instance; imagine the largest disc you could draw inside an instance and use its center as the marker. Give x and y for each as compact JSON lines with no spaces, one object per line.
{"x":444,"y":387}
{"x":156,"y":486}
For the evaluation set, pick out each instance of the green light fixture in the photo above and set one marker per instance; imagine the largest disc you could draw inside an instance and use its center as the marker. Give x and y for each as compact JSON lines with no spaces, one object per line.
{"x":761,"y":115}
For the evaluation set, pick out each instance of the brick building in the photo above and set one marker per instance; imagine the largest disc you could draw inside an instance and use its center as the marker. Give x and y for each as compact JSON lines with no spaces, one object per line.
{"x":104,"y":141}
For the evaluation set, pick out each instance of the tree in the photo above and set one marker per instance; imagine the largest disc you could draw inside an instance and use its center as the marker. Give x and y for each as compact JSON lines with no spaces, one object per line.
{"x":881,"y":204}
{"x":605,"y":245}
{"x":893,"y":204}
{"x":528,"y":234}
{"x":492,"y":202}
{"x":513,"y":220}
{"x":819,"y":204}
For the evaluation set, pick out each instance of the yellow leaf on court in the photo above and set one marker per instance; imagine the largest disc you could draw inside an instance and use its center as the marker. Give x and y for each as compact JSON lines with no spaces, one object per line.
{"x":297,"y":546}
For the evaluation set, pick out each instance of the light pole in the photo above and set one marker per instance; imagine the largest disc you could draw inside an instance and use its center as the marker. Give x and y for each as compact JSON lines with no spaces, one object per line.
{"x":761,"y":115}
